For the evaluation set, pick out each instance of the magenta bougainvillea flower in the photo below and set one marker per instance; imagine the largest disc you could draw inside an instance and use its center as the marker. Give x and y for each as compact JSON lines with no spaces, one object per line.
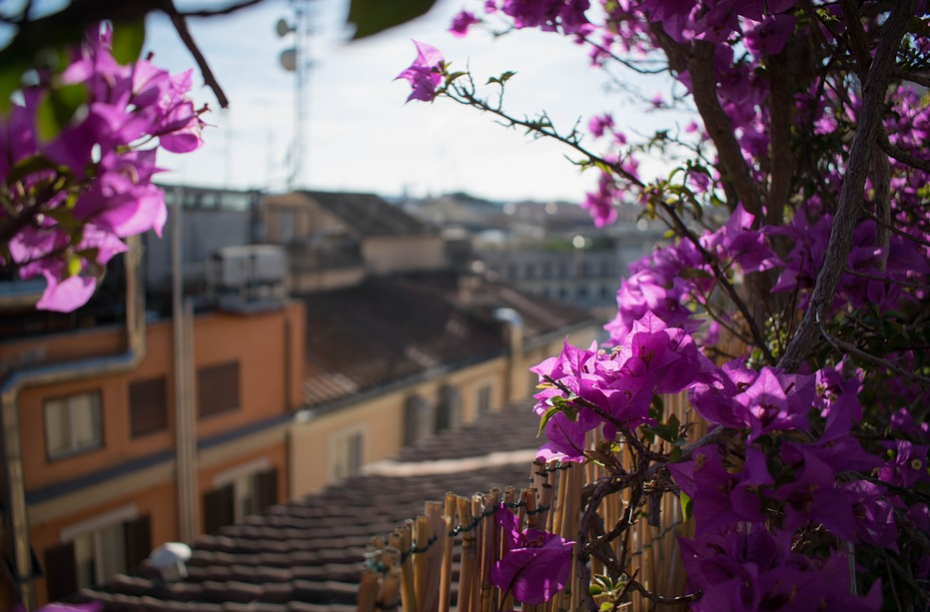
{"x":750,"y":569}
{"x":102,"y":155}
{"x":461,"y":22}
{"x":536,"y":564}
{"x":424,"y":74}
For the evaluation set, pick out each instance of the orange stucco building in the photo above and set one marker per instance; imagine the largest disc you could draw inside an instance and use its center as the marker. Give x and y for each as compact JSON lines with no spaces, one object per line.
{"x":102,"y":456}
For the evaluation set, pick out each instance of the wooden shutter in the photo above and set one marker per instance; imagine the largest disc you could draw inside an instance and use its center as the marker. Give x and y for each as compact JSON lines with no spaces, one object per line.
{"x":60,"y":571}
{"x":217,"y":389}
{"x":218,"y":509}
{"x":148,"y":406}
{"x":137,"y":535}
{"x":267,"y":488}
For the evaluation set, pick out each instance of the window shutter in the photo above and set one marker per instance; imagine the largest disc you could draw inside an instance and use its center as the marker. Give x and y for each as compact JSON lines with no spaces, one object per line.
{"x":449,"y":414}
{"x":217,"y":389}
{"x":218,"y":509}
{"x":267,"y":488}
{"x":148,"y":406}
{"x":60,"y":571}
{"x":419,"y":420}
{"x":137,"y":535}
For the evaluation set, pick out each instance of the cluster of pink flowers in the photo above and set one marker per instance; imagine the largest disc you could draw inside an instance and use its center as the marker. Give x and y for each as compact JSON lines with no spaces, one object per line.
{"x":70,"y":197}
{"x":795,"y":482}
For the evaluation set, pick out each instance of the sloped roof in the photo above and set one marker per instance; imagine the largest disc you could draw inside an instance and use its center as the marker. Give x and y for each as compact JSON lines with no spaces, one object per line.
{"x":389,"y":330}
{"x":368,"y":214}
{"x":306,"y":555}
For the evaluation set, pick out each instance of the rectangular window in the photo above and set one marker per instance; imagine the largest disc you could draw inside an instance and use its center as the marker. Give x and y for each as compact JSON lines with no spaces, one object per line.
{"x":246,"y":494}
{"x":148,"y":406}
{"x":99,"y":554}
{"x":94,"y":551}
{"x":347,"y":454}
{"x":73,"y":424}
{"x":484,"y":399}
{"x":217,"y":389}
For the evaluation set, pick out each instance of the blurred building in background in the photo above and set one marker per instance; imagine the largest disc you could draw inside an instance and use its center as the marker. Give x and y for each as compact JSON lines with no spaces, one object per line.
{"x":284,"y":342}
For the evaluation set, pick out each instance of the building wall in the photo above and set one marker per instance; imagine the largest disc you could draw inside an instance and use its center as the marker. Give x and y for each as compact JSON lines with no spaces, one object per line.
{"x":257,"y":342}
{"x":154,"y":501}
{"x":381,"y":421}
{"x":391,"y":254}
{"x":294,"y":216}
{"x":136,"y":475}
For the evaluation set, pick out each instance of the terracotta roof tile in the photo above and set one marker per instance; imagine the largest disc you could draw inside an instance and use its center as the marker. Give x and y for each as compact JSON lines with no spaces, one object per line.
{"x":364,"y":339}
{"x":306,"y":555}
{"x":368,"y":214}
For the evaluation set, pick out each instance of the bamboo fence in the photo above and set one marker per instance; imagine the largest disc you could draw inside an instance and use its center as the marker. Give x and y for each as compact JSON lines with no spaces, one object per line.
{"x":442,"y":560}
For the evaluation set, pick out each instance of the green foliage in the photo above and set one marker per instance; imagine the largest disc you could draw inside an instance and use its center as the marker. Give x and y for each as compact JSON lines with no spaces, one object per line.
{"x":373,"y":16}
{"x":128,"y":38}
{"x":57,"y":108}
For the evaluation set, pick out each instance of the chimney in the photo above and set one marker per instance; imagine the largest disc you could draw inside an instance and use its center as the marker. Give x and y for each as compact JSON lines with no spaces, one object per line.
{"x":513,"y":335}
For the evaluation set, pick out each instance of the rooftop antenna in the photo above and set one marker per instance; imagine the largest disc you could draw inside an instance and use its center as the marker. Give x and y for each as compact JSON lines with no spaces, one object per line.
{"x":296,"y":59}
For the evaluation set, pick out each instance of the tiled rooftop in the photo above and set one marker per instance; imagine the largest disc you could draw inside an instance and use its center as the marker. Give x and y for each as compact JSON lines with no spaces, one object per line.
{"x":352,"y":350}
{"x":368,"y":214}
{"x":306,"y":555}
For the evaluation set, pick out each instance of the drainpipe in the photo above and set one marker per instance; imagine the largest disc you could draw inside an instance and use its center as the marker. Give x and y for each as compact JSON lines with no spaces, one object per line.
{"x":17,"y":519}
{"x":513,"y":333}
{"x":182,"y":312}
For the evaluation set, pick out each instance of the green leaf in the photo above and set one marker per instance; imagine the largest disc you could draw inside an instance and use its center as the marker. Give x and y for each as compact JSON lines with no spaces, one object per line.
{"x":28,"y":165}
{"x":693,"y":273}
{"x":605,"y":607}
{"x":10,"y":81}
{"x":551,"y":412}
{"x":128,"y":38}
{"x":687,"y":505}
{"x":674,"y":427}
{"x":373,"y":16}
{"x":656,"y":407}
{"x":559,"y":404}
{"x":73,"y":264}
{"x":57,"y":108}
{"x":594,"y":589}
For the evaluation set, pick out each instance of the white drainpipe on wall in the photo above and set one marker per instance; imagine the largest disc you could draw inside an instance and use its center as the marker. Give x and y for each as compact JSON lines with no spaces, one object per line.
{"x":17,"y":520}
{"x":184,"y":383}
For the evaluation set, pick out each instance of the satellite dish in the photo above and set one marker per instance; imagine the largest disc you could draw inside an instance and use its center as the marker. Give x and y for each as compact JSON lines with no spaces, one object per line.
{"x":289,"y":59}
{"x":283,"y":28}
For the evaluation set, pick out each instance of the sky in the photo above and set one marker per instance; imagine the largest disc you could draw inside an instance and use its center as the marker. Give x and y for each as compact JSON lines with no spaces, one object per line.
{"x":360,"y":135}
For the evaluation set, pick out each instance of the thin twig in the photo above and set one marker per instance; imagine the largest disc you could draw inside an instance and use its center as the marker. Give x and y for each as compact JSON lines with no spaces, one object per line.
{"x":228,"y":10}
{"x":661,"y":599}
{"x":180,"y":24}
{"x":891,"y":281}
{"x":841,"y":345}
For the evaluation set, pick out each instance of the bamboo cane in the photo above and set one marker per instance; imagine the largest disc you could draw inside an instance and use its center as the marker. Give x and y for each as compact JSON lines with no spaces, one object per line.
{"x":490,"y":547}
{"x":448,"y":544}
{"x":390,"y":582}
{"x":390,"y":590}
{"x":421,"y":562}
{"x":468,"y":570}
{"x":401,"y":539}
{"x":438,"y":531}
{"x":368,"y":591}
{"x":528,"y":504}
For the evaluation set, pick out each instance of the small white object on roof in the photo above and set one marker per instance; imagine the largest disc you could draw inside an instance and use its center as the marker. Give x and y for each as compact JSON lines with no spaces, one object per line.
{"x":171,"y":560}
